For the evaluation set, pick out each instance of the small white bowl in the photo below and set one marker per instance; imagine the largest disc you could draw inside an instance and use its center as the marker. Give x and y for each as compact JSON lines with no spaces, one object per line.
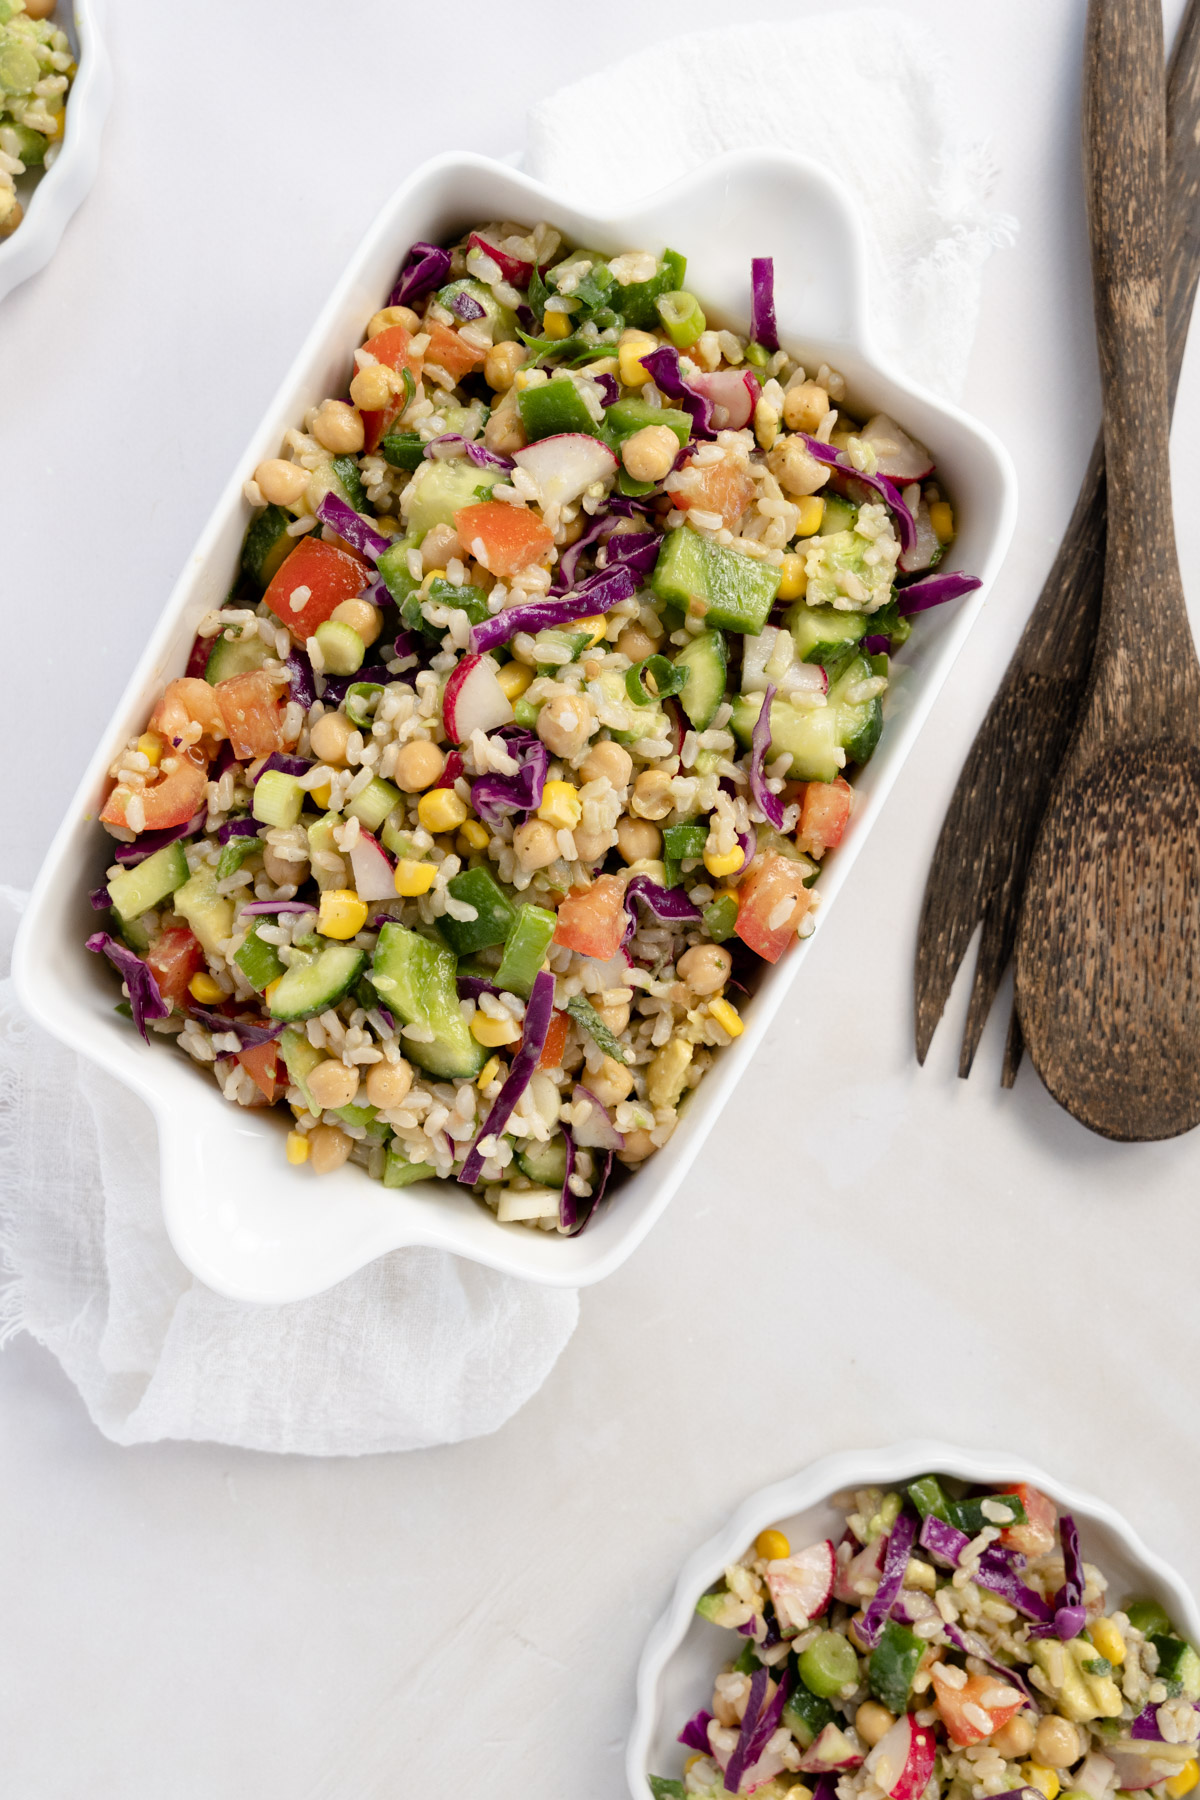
{"x":239,"y":1217}
{"x":684,"y":1652}
{"x":51,"y":199}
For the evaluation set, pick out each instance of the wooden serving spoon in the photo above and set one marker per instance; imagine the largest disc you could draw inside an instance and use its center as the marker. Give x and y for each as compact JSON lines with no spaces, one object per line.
{"x":1108,"y":945}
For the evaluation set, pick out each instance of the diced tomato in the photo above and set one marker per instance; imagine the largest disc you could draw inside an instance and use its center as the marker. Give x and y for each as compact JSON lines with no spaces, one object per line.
{"x":718,"y":488}
{"x":253,"y":713}
{"x":764,"y":922}
{"x":556,"y":1042}
{"x":1038,"y":1534}
{"x":452,"y":770}
{"x":174,"y":957}
{"x":262,"y":1065}
{"x":503,"y":538}
{"x":390,"y":347}
{"x":330,"y":575}
{"x":823,"y":815}
{"x":592,"y":920}
{"x":953,"y":1704}
{"x":188,"y":702}
{"x":171,"y":801}
{"x":452,"y":352}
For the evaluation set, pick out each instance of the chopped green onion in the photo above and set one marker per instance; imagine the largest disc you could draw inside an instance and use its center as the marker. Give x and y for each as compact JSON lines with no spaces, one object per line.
{"x":357,"y":698}
{"x":682,"y":317}
{"x":757,"y":356}
{"x":653,"y":680}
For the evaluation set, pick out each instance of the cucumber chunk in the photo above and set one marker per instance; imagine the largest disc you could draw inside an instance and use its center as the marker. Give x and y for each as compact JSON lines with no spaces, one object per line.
{"x":822,"y":634}
{"x":525,"y":949}
{"x":416,"y":981}
{"x":441,"y":489}
{"x":209,"y":914}
{"x":398,"y":1172}
{"x":859,"y":723}
{"x":812,"y":735}
{"x":502,"y":319}
{"x":233,"y":654}
{"x":705,"y":662}
{"x":545,"y":1163}
{"x":266,"y":544}
{"x":310,"y":987}
{"x":259,"y":961}
{"x":894,"y":1662}
{"x":134,"y":891}
{"x":300,"y":1059}
{"x":375,"y":802}
{"x":732,"y":589}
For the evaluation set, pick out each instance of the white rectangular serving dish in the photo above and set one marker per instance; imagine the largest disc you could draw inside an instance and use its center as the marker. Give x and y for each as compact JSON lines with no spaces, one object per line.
{"x":241,"y":1219}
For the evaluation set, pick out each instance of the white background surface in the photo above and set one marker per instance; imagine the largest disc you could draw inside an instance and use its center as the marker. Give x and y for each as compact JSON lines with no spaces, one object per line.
{"x":867,"y":1252}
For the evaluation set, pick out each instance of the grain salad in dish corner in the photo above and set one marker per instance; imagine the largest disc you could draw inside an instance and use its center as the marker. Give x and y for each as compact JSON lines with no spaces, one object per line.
{"x":519,"y":742}
{"x":37,"y":66}
{"x":953,"y":1644}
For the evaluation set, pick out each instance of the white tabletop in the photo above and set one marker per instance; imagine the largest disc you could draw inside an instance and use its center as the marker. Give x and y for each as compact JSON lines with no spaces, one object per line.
{"x":867,"y":1251}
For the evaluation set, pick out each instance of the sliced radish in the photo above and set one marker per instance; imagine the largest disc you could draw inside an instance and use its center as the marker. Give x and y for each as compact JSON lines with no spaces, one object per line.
{"x":474,"y":699}
{"x":897,"y":455}
{"x":925,"y":549}
{"x":801,"y":1585}
{"x":831,"y":1750}
{"x":902,"y":1761}
{"x":510,"y":267}
{"x":374,"y":874}
{"x":734,"y":395}
{"x":1148,"y":1765}
{"x":597,"y":1131}
{"x":566,"y":465}
{"x":865,"y":1568}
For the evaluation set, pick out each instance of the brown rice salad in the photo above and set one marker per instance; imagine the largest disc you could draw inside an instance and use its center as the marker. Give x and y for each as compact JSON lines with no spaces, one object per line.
{"x":953,"y":1643}
{"x":519,"y":741}
{"x":37,"y":67}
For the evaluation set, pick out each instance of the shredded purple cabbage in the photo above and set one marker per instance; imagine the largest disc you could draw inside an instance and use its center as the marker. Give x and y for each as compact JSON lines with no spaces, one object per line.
{"x":694,"y":1735}
{"x":99,"y":899}
{"x":538,"y":1012}
{"x":1069,"y":1613}
{"x":972,"y":1645}
{"x":763,"y":328}
{"x":425,"y":267}
{"x":770,"y":805}
{"x":250,"y":1033}
{"x":568,"y":1205}
{"x":332,"y":510}
{"x":633,"y":550}
{"x":569,"y":561}
{"x":471,"y":986}
{"x":889,"y":493}
{"x":611,"y":392}
{"x":288,"y":765}
{"x":749,"y":845}
{"x":997,"y":1569}
{"x":597,"y":594}
{"x":338,"y":686}
{"x":495,"y":796}
{"x":300,"y":678}
{"x":759,"y":1724}
{"x":150,"y":841}
{"x":671,"y":904}
{"x":875,"y":645}
{"x":243,"y":827}
{"x":934,"y":590}
{"x":663,"y":364}
{"x":465,"y":306}
{"x":145,"y":998}
{"x":483,"y":458}
{"x":895,"y":1562}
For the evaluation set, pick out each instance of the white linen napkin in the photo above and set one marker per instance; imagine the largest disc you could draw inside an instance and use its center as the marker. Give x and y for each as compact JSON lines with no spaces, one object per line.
{"x":422,"y":1348}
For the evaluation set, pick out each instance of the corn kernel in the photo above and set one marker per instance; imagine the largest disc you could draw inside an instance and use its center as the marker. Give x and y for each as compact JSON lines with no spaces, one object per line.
{"x":269,"y":990}
{"x":151,"y":747}
{"x":634,"y":345}
{"x":726,"y":862}
{"x":342,"y":913}
{"x":726,"y":1016}
{"x":413,"y":878}
{"x":772,"y":1546}
{"x":203,"y":988}
{"x":1185,"y":1781}
{"x":691,"y":1762}
{"x":514,"y":678}
{"x":561,"y":805}
{"x":1108,"y":1640}
{"x":474,"y":835}
{"x":494,"y":1032}
{"x":596,"y":627}
{"x":488,"y":1073}
{"x":297,"y":1147}
{"x":812,"y":511}
{"x":793,"y":581}
{"x":440,"y":809}
{"x":322,"y":796}
{"x":1045,"y":1780}
{"x":941,"y":517}
{"x":388,"y":525}
{"x":557,"y":324}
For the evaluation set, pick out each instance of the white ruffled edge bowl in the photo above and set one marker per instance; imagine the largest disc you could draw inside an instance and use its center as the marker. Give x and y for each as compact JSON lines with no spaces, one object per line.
{"x":59,"y":191}
{"x":684,"y":1652}
{"x":240,"y":1218}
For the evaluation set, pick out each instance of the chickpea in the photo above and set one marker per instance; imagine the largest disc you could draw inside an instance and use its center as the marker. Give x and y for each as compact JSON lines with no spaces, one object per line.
{"x":388,"y":1084}
{"x":652,"y":797}
{"x":705,"y":967}
{"x":638,"y":840}
{"x":504,"y":433}
{"x":614,"y":1013}
{"x":331,"y":1083}
{"x":638,"y":1146}
{"x":636,"y":643}
{"x":337,"y":427}
{"x":607,"y":761}
{"x":11,"y":212}
{"x":650,"y":453}
{"x":361,"y":616}
{"x":418,"y":765}
{"x":280,"y":483}
{"x":872,"y":1721}
{"x":1014,"y":1739}
{"x":38,"y":9}
{"x":804,"y":406}
{"x":1056,"y":1745}
{"x":611,"y":1084}
{"x":329,"y":1147}
{"x":535,"y":844}
{"x":372,"y":387}
{"x":329,"y":737}
{"x":590,"y":846}
{"x":503,"y":361}
{"x":438,"y":545}
{"x":565,"y":724}
{"x":393,"y":315}
{"x":795,"y":467}
{"x":278,"y":869}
